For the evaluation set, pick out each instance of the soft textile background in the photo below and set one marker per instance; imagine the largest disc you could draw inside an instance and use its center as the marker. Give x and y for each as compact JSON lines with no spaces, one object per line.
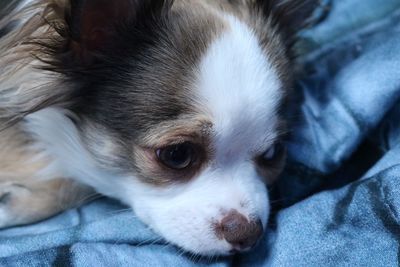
{"x":339,"y":200}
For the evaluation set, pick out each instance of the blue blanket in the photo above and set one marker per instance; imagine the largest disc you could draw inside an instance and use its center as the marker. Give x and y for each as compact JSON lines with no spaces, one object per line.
{"x":338,"y":202}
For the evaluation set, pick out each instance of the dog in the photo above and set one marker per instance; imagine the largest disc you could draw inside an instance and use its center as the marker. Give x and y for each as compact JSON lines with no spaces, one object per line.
{"x":175,"y":108}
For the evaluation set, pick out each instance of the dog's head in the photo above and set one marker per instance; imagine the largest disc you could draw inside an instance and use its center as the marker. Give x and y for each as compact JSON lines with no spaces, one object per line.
{"x":179,"y":103}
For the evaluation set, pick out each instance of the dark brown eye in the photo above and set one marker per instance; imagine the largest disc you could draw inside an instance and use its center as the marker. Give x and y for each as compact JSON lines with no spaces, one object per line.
{"x":177,"y":157}
{"x":272,"y":153}
{"x":270,"y":163}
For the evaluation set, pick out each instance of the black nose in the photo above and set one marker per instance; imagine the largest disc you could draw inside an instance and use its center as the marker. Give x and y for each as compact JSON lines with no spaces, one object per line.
{"x":241,"y":233}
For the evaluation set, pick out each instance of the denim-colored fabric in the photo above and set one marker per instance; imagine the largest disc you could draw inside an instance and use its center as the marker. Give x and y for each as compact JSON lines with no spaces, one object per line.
{"x":339,"y":199}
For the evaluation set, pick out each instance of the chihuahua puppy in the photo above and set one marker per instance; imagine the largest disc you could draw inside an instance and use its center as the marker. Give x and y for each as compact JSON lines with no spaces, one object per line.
{"x":172,"y":107}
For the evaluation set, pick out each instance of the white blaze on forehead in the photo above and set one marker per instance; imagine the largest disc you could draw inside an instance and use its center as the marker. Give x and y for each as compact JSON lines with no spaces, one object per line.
{"x":240,"y":88}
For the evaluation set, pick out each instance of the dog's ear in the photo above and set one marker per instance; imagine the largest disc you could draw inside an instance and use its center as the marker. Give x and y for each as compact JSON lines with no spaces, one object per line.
{"x":290,"y":15}
{"x":93,"y":23}
{"x":293,"y":15}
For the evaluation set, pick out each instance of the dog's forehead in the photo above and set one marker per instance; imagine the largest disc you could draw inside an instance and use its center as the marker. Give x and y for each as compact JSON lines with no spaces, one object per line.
{"x":240,"y":89}
{"x":234,"y":93}
{"x":232,"y":86}
{"x":196,"y":63}
{"x":154,"y":82}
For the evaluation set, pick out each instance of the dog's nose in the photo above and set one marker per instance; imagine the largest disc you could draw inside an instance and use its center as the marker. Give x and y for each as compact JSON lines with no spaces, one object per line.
{"x":240,"y":232}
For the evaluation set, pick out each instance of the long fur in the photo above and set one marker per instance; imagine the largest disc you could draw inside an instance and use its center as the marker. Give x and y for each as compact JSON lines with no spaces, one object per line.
{"x":103,"y":86}
{"x":24,"y":86}
{"x":33,"y":31}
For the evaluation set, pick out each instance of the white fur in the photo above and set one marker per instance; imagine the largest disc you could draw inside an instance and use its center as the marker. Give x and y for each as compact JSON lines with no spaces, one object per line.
{"x":239,"y":89}
{"x":58,"y":139}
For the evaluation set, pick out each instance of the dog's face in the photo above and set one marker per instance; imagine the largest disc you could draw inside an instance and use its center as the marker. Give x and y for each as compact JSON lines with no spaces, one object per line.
{"x":181,"y":116}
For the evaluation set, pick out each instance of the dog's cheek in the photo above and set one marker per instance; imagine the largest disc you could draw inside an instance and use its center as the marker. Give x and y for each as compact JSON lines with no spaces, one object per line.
{"x":181,"y":215}
{"x":255,"y":200}
{"x":142,"y":212}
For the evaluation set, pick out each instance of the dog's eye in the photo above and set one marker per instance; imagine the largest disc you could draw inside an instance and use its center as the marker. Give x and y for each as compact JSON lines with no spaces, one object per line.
{"x":273,"y":152}
{"x":270,"y":163}
{"x":177,"y":157}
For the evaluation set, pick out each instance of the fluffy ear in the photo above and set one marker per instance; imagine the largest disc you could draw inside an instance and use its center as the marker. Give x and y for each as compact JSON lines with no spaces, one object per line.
{"x":290,"y":15}
{"x":93,"y":23}
{"x":293,"y":15}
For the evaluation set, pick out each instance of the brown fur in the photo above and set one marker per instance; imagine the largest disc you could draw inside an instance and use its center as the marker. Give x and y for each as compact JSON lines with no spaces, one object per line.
{"x":25,"y":198}
{"x":23,"y":88}
{"x":29,"y":200}
{"x":45,"y":62}
{"x":194,"y":130}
